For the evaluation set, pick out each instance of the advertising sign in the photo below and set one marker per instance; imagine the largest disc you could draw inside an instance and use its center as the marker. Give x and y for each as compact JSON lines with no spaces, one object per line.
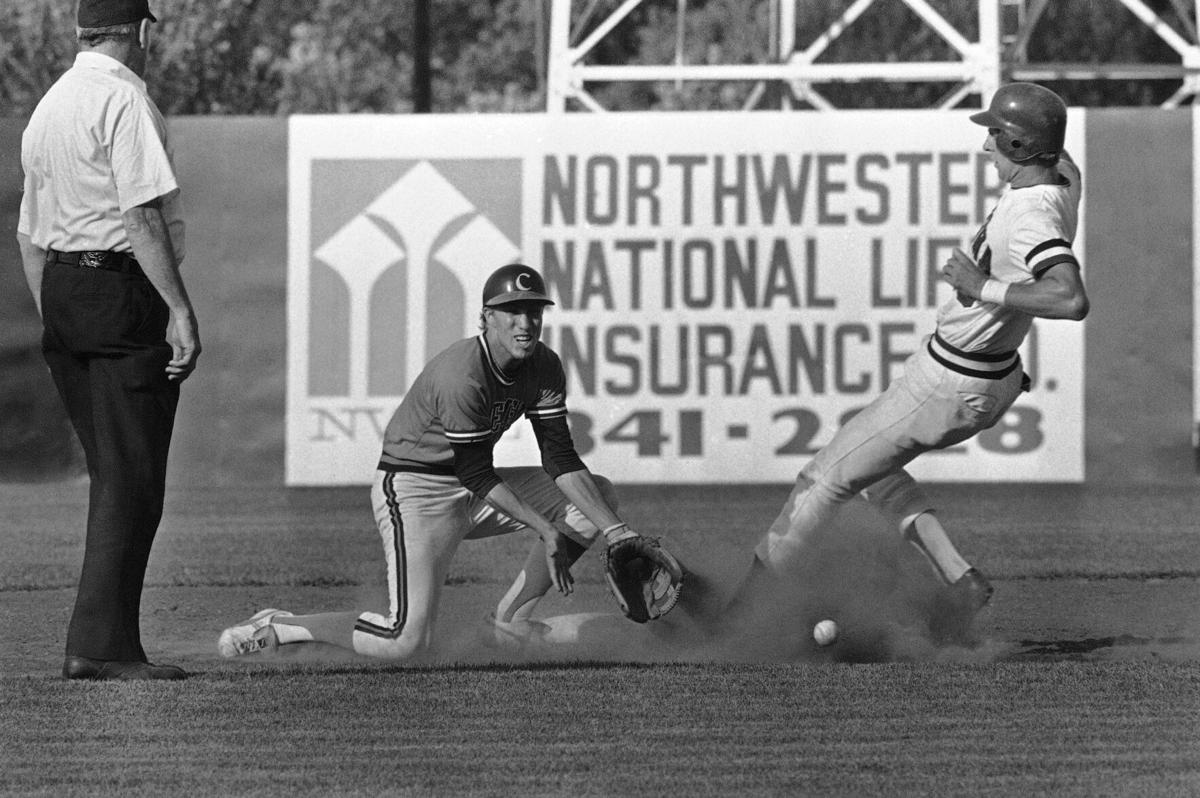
{"x":728,"y":287}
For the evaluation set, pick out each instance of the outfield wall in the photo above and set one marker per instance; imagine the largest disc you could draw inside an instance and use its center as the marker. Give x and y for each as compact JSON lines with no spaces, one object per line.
{"x":280,"y":367}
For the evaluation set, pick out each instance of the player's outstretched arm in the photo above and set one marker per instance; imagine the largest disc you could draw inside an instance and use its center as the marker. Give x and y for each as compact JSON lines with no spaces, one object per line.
{"x":643,"y":577}
{"x":582,"y":491}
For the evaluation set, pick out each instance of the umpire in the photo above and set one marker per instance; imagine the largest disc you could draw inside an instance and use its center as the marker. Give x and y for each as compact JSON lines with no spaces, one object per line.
{"x":101,"y":239}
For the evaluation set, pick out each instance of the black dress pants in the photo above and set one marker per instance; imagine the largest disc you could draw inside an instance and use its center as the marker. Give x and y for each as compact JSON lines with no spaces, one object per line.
{"x":104,"y":341}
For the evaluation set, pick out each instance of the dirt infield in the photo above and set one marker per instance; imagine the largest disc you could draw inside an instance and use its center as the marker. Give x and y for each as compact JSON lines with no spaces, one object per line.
{"x":1075,"y":578}
{"x":1031,"y":620}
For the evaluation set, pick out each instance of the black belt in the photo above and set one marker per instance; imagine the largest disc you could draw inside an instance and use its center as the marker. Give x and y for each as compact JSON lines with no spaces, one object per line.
{"x":993,"y":366}
{"x":97,"y":259}
{"x":415,"y":468}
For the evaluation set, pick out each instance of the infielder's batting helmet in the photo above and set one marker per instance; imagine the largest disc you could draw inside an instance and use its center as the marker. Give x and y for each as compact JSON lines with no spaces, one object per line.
{"x":514,"y":283}
{"x":1029,"y":120}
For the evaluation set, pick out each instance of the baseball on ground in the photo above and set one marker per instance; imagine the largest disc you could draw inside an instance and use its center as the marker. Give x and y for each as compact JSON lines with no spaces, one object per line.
{"x":825,"y":632}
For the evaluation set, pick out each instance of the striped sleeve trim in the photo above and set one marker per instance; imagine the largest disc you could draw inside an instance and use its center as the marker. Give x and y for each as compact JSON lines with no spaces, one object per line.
{"x":557,"y":411}
{"x":469,"y":436}
{"x":1049,"y":253}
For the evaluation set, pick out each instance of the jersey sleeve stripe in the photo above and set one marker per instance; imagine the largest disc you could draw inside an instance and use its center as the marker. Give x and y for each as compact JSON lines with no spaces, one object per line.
{"x":1053,"y":243}
{"x":1049,"y":253}
{"x":546,"y":412}
{"x":470,"y":436}
{"x":1044,"y":266}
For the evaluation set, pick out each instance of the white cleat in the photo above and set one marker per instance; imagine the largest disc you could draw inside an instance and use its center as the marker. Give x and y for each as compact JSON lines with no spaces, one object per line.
{"x":513,"y":636}
{"x":252,"y":636}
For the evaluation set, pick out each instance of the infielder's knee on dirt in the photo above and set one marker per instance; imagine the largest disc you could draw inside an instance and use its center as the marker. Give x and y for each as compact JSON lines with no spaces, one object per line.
{"x":385,"y":638}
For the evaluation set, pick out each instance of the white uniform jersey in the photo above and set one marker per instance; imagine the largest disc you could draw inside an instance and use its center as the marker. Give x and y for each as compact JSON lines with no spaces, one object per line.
{"x":1030,"y":230}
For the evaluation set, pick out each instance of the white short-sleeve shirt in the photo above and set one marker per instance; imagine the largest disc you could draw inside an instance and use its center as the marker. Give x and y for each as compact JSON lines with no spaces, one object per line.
{"x":95,"y":147}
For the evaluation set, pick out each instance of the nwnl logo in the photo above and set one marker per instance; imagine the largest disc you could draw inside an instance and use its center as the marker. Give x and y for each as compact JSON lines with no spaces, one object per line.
{"x":398,"y":280}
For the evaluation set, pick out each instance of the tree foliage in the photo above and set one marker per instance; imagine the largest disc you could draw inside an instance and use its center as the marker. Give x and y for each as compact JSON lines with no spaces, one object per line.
{"x":347,"y":56}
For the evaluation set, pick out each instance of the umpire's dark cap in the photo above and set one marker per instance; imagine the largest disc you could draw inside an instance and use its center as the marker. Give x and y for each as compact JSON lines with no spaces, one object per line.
{"x":515,"y":282}
{"x":104,"y":13}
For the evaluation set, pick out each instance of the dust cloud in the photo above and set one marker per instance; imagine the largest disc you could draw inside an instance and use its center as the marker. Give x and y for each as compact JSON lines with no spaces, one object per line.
{"x":858,"y":571}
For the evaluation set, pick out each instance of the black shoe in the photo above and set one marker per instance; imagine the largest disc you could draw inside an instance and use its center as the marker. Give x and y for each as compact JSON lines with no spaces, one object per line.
{"x":971,"y":592}
{"x":957,"y":605}
{"x":114,"y":670}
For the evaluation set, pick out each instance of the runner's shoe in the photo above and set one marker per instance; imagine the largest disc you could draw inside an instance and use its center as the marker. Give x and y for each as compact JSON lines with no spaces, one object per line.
{"x":957,"y":606}
{"x":971,"y":592}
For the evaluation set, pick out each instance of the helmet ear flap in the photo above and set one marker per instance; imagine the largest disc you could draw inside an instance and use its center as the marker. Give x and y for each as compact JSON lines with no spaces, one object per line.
{"x":1028,"y":120}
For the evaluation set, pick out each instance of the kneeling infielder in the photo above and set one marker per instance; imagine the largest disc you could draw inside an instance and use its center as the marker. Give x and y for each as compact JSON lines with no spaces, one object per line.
{"x":436,"y":486}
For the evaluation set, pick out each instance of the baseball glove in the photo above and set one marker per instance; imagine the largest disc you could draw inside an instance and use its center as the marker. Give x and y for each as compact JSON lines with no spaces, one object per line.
{"x":644,"y":577}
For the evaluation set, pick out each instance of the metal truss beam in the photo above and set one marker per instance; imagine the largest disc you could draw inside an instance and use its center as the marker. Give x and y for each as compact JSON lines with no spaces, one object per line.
{"x":978,"y":68}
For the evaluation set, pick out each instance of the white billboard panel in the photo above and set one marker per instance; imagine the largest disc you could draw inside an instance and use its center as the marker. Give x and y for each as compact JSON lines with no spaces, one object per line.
{"x":728,"y":286}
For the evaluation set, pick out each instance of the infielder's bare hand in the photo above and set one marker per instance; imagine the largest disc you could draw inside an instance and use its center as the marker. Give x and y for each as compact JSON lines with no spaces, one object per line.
{"x":184,"y":337}
{"x":559,"y":563}
{"x":965,"y":276}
